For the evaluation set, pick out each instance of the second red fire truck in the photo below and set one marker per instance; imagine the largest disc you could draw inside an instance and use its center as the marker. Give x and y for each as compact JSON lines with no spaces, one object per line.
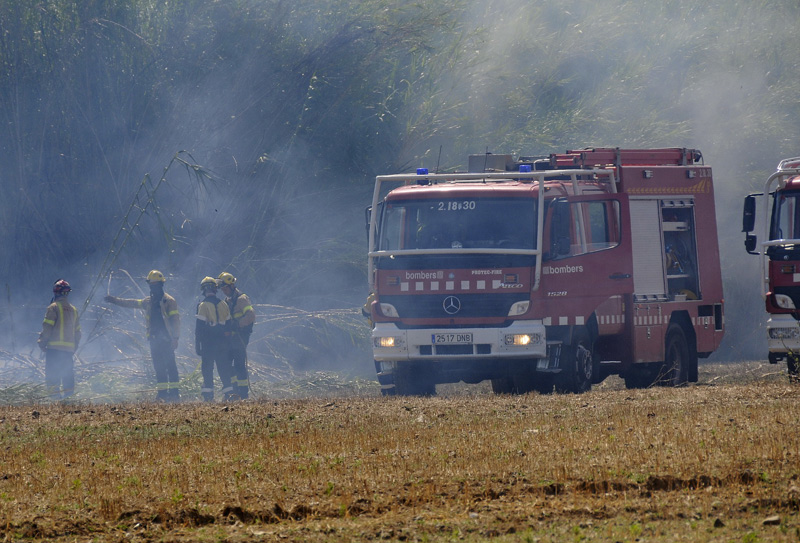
{"x":779,"y":230}
{"x":546,"y":273}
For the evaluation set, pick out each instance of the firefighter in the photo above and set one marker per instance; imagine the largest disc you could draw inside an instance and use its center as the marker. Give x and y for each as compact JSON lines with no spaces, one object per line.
{"x":211,"y":339}
{"x":243,"y":316}
{"x":61,"y":332}
{"x":366,"y":309}
{"x":163,"y":330}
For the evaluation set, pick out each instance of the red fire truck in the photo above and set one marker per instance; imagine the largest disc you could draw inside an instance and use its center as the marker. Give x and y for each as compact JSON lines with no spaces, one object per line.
{"x":544,"y":274}
{"x":779,"y":228}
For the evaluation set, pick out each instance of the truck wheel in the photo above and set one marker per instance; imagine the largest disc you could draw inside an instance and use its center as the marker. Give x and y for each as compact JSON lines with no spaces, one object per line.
{"x":503,"y":385}
{"x":388,"y":391}
{"x":675,"y":370}
{"x":523,"y":380}
{"x":543,"y":384}
{"x":641,"y":376}
{"x":577,"y":364}
{"x":409,"y":383}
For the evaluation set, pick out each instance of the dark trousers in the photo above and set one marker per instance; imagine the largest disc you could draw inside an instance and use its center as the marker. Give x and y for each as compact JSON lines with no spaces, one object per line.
{"x":210,"y":357}
{"x":59,"y":373}
{"x":167,"y":380}
{"x":238,"y":357}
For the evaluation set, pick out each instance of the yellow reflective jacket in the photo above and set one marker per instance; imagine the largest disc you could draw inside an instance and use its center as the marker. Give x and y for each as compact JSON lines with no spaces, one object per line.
{"x":61,"y":329}
{"x":213,"y":320}
{"x":169,"y":310}
{"x":241,"y":309}
{"x":213,"y":314}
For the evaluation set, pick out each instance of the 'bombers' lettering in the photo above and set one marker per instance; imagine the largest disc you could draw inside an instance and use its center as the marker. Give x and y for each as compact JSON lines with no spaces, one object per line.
{"x":555,"y":270}
{"x":424,"y":275}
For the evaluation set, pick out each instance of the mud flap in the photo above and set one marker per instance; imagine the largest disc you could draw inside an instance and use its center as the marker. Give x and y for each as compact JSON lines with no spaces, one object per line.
{"x":552,"y":363}
{"x":385,"y":379}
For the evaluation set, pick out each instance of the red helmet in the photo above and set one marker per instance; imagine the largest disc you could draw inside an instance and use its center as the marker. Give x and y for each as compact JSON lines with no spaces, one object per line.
{"x":61,"y":287}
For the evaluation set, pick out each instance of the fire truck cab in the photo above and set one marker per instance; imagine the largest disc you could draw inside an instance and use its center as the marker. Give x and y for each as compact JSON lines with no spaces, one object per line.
{"x":547,"y":273}
{"x":779,"y":251}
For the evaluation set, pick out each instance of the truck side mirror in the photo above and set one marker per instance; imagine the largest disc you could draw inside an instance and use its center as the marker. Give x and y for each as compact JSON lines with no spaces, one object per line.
{"x":367,"y":217}
{"x":749,"y":213}
{"x":750,"y":244}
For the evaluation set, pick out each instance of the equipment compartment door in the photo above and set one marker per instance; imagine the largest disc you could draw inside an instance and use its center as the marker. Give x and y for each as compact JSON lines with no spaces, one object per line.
{"x":648,"y":251}
{"x":680,"y":249}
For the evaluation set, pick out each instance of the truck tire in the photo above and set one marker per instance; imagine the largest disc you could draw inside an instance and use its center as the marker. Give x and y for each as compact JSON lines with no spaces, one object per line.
{"x":523,"y":379}
{"x":412,"y":383}
{"x":675,"y":369}
{"x":577,"y":363}
{"x":503,"y":385}
{"x":641,"y":375}
{"x":543,"y":384}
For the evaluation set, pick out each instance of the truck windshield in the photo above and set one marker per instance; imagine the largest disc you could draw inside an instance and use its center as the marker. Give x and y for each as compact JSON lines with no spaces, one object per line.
{"x":468,"y":223}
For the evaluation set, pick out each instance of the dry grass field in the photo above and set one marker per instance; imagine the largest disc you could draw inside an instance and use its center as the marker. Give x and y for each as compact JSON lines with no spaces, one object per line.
{"x":715,"y":461}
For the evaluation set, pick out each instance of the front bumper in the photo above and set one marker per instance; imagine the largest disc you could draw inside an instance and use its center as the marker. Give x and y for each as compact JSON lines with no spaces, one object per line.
{"x":521,"y":340}
{"x":783,"y":334}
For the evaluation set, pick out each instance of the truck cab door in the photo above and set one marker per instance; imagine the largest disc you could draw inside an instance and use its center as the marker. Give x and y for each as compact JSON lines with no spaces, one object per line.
{"x":588,"y":270}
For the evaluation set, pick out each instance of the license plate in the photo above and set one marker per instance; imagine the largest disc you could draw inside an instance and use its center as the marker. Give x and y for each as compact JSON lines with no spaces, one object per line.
{"x":451,"y":339}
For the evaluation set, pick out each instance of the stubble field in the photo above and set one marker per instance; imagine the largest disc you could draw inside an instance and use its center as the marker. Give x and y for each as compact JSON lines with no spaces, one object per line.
{"x":715,"y":461}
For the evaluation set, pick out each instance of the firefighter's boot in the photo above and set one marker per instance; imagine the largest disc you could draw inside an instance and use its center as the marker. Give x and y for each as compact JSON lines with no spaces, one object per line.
{"x":163,"y":395}
{"x":243,"y":390}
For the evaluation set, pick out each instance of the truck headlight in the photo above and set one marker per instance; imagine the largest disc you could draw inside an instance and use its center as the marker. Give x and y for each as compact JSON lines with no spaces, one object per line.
{"x":387,"y":342}
{"x":784,"y":333}
{"x":520,"y":340}
{"x":519,"y":308}
{"x":783,"y":301}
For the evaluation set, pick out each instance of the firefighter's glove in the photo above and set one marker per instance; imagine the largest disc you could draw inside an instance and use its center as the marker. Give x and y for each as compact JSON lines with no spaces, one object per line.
{"x":198,"y":348}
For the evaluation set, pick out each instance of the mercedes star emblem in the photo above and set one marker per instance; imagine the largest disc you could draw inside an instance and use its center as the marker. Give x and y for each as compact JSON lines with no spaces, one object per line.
{"x":451,"y":305}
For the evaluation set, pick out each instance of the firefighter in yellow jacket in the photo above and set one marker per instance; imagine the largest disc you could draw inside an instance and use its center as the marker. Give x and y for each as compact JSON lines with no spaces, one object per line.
{"x":243,"y":317}
{"x":163,"y":330}
{"x":61,"y":332}
{"x":211,"y":339}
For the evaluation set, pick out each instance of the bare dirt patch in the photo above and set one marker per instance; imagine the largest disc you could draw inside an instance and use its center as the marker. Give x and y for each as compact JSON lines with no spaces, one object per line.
{"x":715,"y":461}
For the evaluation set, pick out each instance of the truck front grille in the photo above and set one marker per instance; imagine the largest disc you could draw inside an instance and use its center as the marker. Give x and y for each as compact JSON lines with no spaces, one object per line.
{"x":455,"y":350}
{"x":472,"y":305}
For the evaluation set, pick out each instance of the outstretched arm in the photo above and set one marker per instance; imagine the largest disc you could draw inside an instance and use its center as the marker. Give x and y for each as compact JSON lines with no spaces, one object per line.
{"x":124,"y":302}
